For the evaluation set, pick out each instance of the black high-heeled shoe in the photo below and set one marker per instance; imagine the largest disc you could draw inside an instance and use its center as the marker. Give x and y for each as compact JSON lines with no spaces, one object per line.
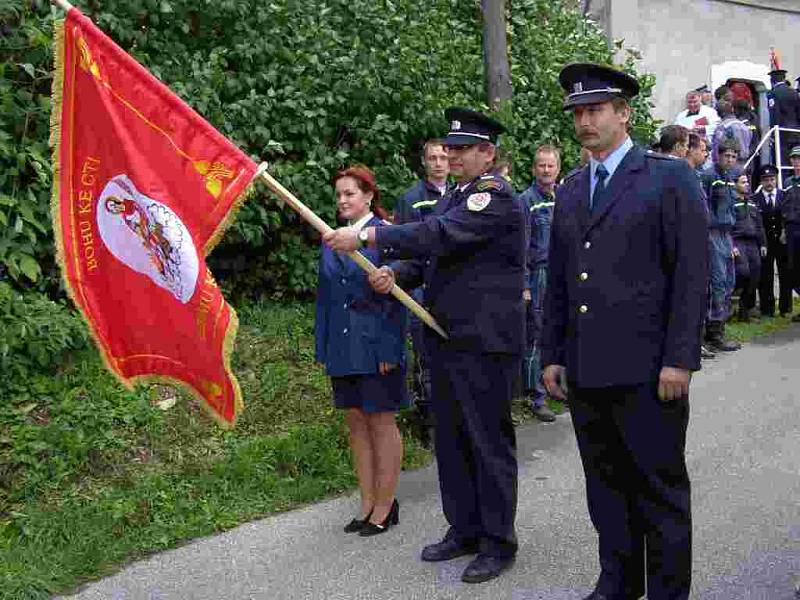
{"x":393,"y":518}
{"x":357,"y":524}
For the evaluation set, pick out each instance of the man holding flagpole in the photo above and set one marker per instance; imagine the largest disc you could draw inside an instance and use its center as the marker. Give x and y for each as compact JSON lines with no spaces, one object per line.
{"x":469,"y":254}
{"x":133,"y":228}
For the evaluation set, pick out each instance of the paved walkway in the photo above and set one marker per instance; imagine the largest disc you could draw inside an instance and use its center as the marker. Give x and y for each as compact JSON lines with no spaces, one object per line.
{"x":744,"y":459}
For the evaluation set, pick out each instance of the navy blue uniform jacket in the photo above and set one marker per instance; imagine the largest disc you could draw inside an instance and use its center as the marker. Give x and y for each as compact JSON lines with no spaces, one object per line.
{"x":418,"y":202}
{"x":356,"y":328}
{"x":770,"y":215}
{"x":470,"y":255}
{"x":790,"y":206}
{"x":540,"y":216}
{"x":784,"y":106}
{"x":627,"y":284}
{"x":748,"y":226}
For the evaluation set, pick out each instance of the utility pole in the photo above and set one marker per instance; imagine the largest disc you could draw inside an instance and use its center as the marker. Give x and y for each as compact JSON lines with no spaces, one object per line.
{"x":495,"y":52}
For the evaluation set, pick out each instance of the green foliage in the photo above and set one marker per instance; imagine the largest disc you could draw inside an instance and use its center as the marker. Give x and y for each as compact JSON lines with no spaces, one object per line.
{"x":308,"y":85}
{"x":92,"y":475}
{"x":543,"y":37}
{"x":26,"y":243}
{"x":35,"y":333}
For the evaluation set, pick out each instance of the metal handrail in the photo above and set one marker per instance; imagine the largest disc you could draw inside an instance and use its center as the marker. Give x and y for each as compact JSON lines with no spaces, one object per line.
{"x":776,"y":131}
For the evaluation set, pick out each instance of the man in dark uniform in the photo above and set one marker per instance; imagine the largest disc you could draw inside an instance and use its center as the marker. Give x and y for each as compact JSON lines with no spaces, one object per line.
{"x":539,"y":200}
{"x":749,"y":247}
{"x":471,"y":256}
{"x":790,"y":215}
{"x":768,"y":200}
{"x":628,"y":266}
{"x":720,"y":191}
{"x":413,"y":206}
{"x":784,"y":110}
{"x":794,"y":160}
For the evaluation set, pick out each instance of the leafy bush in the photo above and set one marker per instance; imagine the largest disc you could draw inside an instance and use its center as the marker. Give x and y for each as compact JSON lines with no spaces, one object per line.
{"x":26,"y":243}
{"x":308,"y":85}
{"x":92,"y":475}
{"x":35,"y":333}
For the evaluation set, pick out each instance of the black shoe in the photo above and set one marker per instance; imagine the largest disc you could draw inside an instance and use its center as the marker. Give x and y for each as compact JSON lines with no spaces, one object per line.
{"x":357,"y":524}
{"x":715,"y":338}
{"x":448,"y":549}
{"x":724,"y":346}
{"x":484,"y":567}
{"x":543,"y":413}
{"x":393,"y":518}
{"x":706,"y":353}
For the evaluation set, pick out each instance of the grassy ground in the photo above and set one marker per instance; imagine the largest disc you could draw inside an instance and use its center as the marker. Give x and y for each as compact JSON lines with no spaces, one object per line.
{"x":93,"y":476}
{"x":758,"y":326}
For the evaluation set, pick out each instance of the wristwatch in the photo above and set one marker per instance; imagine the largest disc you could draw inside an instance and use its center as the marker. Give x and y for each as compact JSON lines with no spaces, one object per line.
{"x":363,"y":238}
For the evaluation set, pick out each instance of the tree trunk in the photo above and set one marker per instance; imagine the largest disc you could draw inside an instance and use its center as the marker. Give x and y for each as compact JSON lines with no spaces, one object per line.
{"x":495,"y":52}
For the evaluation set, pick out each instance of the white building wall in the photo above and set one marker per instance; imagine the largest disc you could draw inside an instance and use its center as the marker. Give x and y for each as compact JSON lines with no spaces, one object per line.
{"x":681,"y":39}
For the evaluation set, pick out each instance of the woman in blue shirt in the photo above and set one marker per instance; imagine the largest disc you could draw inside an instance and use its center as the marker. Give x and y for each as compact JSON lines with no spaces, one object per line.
{"x":360,"y":338}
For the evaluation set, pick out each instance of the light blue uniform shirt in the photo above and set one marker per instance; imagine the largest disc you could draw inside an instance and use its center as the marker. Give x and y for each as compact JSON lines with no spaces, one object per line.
{"x":610,"y":163}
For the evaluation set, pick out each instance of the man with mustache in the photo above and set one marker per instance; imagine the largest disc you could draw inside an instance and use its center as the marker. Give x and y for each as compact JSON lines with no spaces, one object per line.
{"x":628,"y":264}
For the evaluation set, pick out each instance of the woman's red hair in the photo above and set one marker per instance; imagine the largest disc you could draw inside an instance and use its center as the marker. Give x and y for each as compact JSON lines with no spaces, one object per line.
{"x":365,"y":180}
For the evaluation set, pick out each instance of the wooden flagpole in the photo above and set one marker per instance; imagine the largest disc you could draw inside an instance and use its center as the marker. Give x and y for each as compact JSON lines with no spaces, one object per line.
{"x":308,"y":215}
{"x":62,"y":4}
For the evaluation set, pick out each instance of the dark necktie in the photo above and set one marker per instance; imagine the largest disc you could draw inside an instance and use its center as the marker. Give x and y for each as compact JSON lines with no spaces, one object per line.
{"x":601,"y":174}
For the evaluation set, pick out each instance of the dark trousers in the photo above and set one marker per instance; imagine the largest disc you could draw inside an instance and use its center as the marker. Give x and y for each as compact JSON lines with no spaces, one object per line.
{"x":534,"y":318}
{"x":637,"y":487}
{"x":748,"y":272}
{"x":721,"y":272}
{"x":793,"y":255}
{"x":476,"y":445}
{"x":776,"y":253}
{"x":420,"y":376}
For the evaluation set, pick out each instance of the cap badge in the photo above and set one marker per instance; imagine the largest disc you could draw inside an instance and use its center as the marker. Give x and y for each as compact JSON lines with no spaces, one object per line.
{"x":578,"y":87}
{"x":456,"y":125}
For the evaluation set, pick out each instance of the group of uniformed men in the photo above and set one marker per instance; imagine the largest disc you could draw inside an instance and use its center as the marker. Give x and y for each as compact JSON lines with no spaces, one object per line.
{"x":627,"y":262}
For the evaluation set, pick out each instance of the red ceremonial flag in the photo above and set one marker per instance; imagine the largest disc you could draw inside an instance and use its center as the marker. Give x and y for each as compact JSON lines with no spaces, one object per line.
{"x":143,"y":189}
{"x":774,"y":60}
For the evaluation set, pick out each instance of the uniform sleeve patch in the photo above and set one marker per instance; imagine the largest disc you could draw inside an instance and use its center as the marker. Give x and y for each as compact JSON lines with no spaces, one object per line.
{"x":489,"y":184}
{"x":477,"y":202}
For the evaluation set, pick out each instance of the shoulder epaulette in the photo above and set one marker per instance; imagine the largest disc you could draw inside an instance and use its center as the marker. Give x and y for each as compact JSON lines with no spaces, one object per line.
{"x":489,"y":184}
